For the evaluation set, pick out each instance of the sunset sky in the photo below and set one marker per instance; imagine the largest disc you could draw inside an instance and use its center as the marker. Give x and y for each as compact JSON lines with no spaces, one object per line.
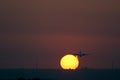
{"x":37,"y":33}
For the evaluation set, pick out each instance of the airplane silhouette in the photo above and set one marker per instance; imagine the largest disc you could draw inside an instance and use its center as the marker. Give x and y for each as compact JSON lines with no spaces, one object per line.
{"x":80,"y":54}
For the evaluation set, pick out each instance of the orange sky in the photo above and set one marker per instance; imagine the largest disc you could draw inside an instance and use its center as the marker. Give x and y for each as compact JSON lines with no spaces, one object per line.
{"x":40,"y":32}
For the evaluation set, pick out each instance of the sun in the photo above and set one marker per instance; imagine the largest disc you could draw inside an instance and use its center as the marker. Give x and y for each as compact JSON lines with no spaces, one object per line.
{"x":69,"y":62}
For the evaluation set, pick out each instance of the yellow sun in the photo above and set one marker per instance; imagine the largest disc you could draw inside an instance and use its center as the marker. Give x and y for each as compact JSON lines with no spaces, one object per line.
{"x":69,"y":61}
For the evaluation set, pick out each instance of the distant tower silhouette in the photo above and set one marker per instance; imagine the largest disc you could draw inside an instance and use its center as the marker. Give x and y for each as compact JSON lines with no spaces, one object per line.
{"x":112,"y":64}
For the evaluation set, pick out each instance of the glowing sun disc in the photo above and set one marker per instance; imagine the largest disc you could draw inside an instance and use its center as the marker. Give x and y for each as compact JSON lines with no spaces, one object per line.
{"x":69,"y":61}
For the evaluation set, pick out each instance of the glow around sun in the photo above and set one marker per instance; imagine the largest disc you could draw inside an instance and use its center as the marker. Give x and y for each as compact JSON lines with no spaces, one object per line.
{"x":69,"y":62}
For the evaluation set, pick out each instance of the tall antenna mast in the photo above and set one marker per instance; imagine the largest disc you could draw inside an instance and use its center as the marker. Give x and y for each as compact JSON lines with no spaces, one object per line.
{"x":112,"y":64}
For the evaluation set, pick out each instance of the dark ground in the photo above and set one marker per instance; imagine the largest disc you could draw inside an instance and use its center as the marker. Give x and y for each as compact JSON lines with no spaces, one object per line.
{"x":54,"y":74}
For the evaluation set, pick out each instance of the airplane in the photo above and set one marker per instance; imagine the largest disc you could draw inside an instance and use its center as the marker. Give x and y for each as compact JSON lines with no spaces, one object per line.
{"x":80,"y":54}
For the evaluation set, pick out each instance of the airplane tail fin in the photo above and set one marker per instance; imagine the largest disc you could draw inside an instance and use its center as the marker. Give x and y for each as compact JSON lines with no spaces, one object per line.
{"x":80,"y":52}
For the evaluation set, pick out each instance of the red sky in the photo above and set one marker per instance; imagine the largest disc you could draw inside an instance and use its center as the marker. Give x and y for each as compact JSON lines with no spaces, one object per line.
{"x":37,"y":33}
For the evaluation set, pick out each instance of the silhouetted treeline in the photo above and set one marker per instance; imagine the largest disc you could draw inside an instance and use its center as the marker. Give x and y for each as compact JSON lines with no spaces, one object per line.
{"x":54,"y":74}
{"x":32,"y":79}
